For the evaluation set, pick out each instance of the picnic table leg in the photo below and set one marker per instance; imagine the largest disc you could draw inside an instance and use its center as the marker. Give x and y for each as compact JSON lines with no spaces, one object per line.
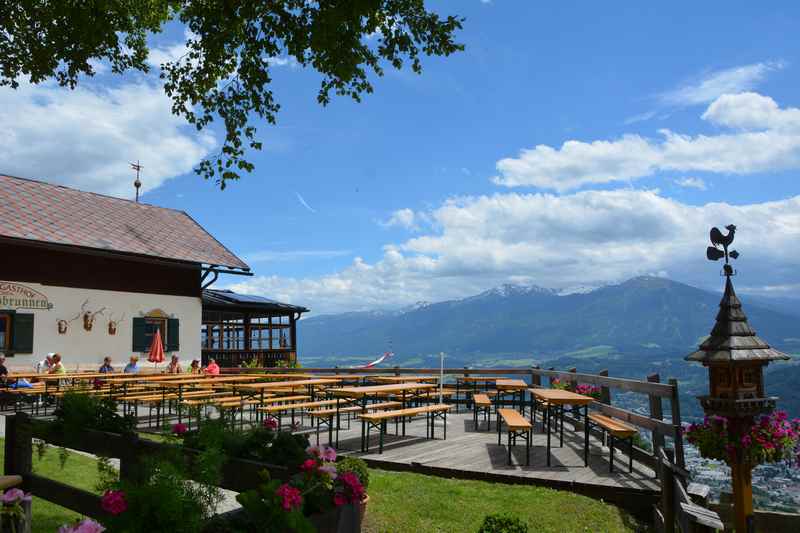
{"x":382,"y":431}
{"x":586,"y":443}
{"x":630,"y":454}
{"x":180,"y":402}
{"x":338,"y":424}
{"x":497,"y":415}
{"x":561,"y":428}
{"x":611,"y":459}
{"x":528,"y":447}
{"x":548,"y":408}
{"x":445,"y":425}
{"x":404,"y":418}
{"x":363,"y":421}
{"x":509,"y":447}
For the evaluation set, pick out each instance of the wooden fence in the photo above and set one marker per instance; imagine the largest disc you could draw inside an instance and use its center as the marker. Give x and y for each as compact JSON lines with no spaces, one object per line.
{"x":682,"y":506}
{"x":237,"y":474}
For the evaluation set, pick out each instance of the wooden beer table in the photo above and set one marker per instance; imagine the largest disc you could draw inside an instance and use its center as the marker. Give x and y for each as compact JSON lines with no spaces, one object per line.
{"x":559,"y":398}
{"x":371,"y":390}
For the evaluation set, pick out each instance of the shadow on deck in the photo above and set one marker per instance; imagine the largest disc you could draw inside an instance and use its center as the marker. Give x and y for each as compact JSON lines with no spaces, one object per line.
{"x":471,"y":454}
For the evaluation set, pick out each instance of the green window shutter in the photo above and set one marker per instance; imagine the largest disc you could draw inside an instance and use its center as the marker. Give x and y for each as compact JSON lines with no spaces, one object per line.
{"x":173,"y":335}
{"x":140,"y":343}
{"x":22,"y":333}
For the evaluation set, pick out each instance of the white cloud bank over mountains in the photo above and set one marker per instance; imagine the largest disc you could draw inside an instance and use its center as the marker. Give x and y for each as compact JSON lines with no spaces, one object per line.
{"x":588,"y":237}
{"x":761,"y":137}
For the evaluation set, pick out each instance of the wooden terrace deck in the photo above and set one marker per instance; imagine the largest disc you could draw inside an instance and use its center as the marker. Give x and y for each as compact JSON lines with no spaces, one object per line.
{"x":471,"y":454}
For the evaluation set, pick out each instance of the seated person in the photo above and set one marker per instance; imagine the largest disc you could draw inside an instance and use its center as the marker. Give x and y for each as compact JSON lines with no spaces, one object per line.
{"x":3,"y":370}
{"x":106,"y":368}
{"x":174,"y":366}
{"x":58,"y":366}
{"x":194,"y":368}
{"x":133,"y":366}
{"x":43,"y":366}
{"x":212,"y":368}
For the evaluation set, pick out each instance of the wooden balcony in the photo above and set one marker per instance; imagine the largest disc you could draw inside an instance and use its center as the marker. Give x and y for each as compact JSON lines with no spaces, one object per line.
{"x":237,"y":358}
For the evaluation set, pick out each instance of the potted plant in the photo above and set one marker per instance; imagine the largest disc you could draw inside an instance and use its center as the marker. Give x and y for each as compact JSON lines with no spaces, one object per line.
{"x":771,"y":438}
{"x":588,"y":390}
{"x":358,"y":467}
{"x":317,"y":498}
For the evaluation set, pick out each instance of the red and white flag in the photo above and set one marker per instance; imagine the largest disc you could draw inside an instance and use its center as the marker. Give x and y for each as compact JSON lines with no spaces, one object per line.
{"x":379,"y":360}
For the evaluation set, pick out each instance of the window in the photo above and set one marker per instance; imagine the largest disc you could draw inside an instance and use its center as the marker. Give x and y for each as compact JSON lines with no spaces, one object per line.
{"x":144,"y":328}
{"x":5,"y":331}
{"x":154,"y":324}
{"x":16,"y":333}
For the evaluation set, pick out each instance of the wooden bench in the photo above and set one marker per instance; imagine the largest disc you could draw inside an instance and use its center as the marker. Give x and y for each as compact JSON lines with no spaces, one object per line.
{"x":516,"y":426}
{"x":616,"y":429}
{"x":481,"y":403}
{"x":330,"y":415}
{"x":378,"y":420}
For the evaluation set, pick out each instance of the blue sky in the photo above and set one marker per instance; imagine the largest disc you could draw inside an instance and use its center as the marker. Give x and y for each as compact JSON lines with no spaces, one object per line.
{"x":675,"y":118}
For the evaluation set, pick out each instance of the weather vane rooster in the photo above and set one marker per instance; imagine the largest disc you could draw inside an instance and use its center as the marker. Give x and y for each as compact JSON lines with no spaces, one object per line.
{"x":718,"y":239}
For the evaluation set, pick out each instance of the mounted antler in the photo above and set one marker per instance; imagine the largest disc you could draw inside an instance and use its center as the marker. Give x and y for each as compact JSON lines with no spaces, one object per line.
{"x":63,"y":324}
{"x":88,"y":317}
{"x":114,"y":323}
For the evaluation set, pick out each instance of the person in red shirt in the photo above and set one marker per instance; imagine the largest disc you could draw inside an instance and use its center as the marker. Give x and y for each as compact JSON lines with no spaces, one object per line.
{"x":212,"y":368}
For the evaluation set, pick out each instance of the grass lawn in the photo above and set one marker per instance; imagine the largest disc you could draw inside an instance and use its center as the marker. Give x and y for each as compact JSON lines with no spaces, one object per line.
{"x":402,"y":502}
{"x":79,"y":471}
{"x":399,"y":502}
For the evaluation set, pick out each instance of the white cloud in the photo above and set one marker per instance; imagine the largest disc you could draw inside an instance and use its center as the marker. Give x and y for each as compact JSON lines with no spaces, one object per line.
{"x":293,"y":255}
{"x":586,"y":238}
{"x":715,"y":84}
{"x":767,"y":139}
{"x":692,"y":183}
{"x":86,"y":137}
{"x":404,"y":218}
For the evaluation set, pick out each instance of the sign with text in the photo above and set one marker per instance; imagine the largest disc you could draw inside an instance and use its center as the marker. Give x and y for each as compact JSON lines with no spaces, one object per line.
{"x":16,"y":296}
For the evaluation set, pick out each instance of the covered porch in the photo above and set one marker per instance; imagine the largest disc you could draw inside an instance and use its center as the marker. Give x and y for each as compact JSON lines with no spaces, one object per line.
{"x":240,"y":329}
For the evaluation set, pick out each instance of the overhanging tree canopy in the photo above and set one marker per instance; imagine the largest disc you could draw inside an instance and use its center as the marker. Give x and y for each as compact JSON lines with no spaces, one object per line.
{"x":225,"y":72}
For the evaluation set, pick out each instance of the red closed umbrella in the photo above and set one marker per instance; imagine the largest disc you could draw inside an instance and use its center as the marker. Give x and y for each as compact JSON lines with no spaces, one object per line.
{"x":156,"y":349}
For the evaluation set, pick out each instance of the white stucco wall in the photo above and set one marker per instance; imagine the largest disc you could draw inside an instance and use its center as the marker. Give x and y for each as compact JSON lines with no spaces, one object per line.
{"x":87,"y":348}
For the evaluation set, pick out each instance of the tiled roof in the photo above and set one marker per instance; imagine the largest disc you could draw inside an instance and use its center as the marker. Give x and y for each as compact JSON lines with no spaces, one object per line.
{"x":39,"y":211}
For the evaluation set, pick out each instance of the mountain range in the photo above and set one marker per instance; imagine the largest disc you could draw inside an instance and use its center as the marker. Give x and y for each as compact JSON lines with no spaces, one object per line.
{"x":644,"y":315}
{"x":641,"y":326}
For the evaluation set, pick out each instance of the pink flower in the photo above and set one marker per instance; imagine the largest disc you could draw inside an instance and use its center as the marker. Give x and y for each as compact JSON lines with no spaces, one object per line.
{"x":87,"y":525}
{"x":329,"y":469}
{"x":113,"y":501}
{"x":15,"y":495}
{"x":308,"y":465}
{"x":290,"y":497}
{"x":339,"y":499}
{"x":271,"y":423}
{"x":352,"y":485}
{"x":328,"y":454}
{"x":747,"y":441}
{"x":180,"y":429}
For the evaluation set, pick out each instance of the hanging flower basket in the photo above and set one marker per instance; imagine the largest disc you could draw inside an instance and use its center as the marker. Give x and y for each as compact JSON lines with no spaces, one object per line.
{"x":771,"y":439}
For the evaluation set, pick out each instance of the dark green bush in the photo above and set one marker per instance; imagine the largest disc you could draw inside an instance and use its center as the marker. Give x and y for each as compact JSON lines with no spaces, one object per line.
{"x":356,"y":466}
{"x":258,"y":444}
{"x":503,"y":523}
{"x":79,"y":412}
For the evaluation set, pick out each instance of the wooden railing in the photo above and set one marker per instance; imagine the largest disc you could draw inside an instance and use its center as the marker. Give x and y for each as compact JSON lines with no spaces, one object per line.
{"x":678,"y":510}
{"x":236,"y":358}
{"x":655,"y":391}
{"x":237,"y":474}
